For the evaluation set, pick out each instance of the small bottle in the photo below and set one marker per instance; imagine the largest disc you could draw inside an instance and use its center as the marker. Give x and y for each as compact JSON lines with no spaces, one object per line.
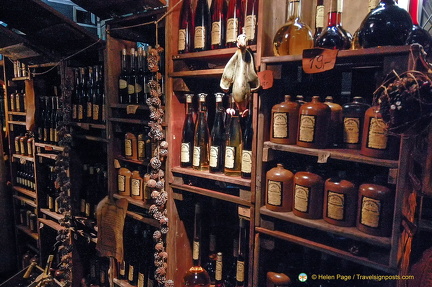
{"x":219,"y":282}
{"x":294,"y":36}
{"x":319,"y":19}
{"x":279,"y":189}
{"x":186,"y":150}
{"x":335,"y":125}
{"x":340,"y":201}
{"x":418,"y":34}
{"x":130,"y":146}
{"x":251,"y":21}
{"x":12,"y":104}
{"x":141,"y":146}
{"x":202,"y":26}
{"x":308,"y":195}
{"x":235,"y":17}
{"x":247,"y":158}
{"x":233,"y":144}
{"x":217,"y":148}
{"x":201,"y":150}
{"x":17,"y":144}
{"x":30,"y":149}
{"x":123,"y":78}
{"x":186,"y":26}
{"x":375,"y":209}
{"x":313,"y":124}
{"x":218,"y":24}
{"x":284,"y":122}
{"x":23,"y":145}
{"x":137,"y":186}
{"x":353,"y":121}
{"x":242,"y":262}
{"x":123,"y":181}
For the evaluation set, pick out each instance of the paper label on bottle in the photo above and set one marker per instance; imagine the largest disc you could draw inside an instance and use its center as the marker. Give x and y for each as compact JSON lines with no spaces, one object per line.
{"x":138,"y":88}
{"x":250,"y":26}
{"x":50,"y":202}
{"x":301,"y":198}
{"x":136,"y":187}
{"x":232,"y":30}
{"x":230,"y":154}
{"x":351,"y":131}
{"x":23,"y":150}
{"x":340,"y":6}
{"x":335,"y":205}
{"x":240,"y":271}
{"x":200,"y":37}
{"x":80,"y":112}
{"x":122,"y":268}
{"x":87,"y":208}
{"x":246,"y":164}
{"x":18,"y":104}
{"x":280,"y":125}
{"x":196,"y":157}
{"x":52,"y":134}
{"x":131,"y":89}
{"x":274,"y":192}
{"x":195,"y":250}
{"x":182,"y":40}
{"x":370,"y":212}
{"x":218,"y":273}
{"x":307,"y":128}
{"x":141,"y":279}
{"x":122,"y":84}
{"x":214,"y":156}
{"x":128,"y":147}
{"x":131,"y":273}
{"x":121,"y":183}
{"x":82,"y":205}
{"x":185,"y":152}
{"x":30,"y":147}
{"x":46,"y":134}
{"x":89,"y":109}
{"x":216,"y":36}
{"x":141,"y":149}
{"x":377,"y":134}
{"x":95,"y":112}
{"x":319,"y":18}
{"x":17,"y":146}
{"x":56,"y":136}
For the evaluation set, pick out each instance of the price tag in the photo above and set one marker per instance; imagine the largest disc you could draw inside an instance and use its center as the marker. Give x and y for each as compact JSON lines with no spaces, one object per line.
{"x":131,"y":109}
{"x":117,"y":163}
{"x":266,"y":79}
{"x":48,"y":148}
{"x":318,"y":60}
{"x":323,"y":156}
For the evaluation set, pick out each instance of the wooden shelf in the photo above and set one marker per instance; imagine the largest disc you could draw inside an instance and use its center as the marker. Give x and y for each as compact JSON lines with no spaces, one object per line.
{"x":215,"y":73}
{"x":140,"y":162}
{"x":135,"y":202}
{"x":27,"y":231}
{"x":17,"y":113}
{"x":52,"y":156}
{"x":27,"y":201}
{"x":91,"y":138}
{"x":49,"y":147}
{"x":129,"y":121}
{"x":320,"y":224}
{"x":50,"y":223}
{"x":210,"y":55}
{"x":150,"y":221}
{"x":51,"y":214}
{"x":350,"y":155}
{"x":18,"y":123}
{"x":88,"y":126}
{"x":23,"y":157}
{"x":29,"y":193}
{"x":326,"y":249}
{"x":237,"y":180}
{"x":20,"y":78}
{"x":211,"y":193}
{"x":125,"y":106}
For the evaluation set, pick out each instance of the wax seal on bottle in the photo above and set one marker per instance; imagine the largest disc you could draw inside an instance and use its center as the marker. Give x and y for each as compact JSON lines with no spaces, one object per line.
{"x":308,"y":194}
{"x":284,"y":122}
{"x":279,"y":189}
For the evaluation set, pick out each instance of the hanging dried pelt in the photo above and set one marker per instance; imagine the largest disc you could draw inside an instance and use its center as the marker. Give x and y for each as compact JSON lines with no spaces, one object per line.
{"x":240,"y":73}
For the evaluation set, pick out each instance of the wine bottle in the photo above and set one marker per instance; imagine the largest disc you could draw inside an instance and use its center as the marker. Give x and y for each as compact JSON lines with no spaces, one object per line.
{"x":418,"y":34}
{"x":230,"y":269}
{"x":82,"y":96}
{"x":242,"y":265}
{"x":123,"y":181}
{"x":196,"y":276}
{"x":386,"y":25}
{"x":202,"y":26}
{"x":246,"y":158}
{"x":217,"y":148}
{"x":352,"y":119}
{"x":335,"y":124}
{"x":186,"y":151}
{"x":12,"y":99}
{"x":334,"y":36}
{"x":137,"y":186}
{"x":123,"y":78}
{"x":234,"y":23}
{"x":251,"y":21}
{"x":47,"y":120}
{"x":201,"y":149}
{"x":233,"y":144}
{"x":130,"y":146}
{"x":90,"y":95}
{"x":294,"y":36}
{"x":53,"y":127}
{"x":133,"y":260}
{"x":319,"y":19}
{"x":132,"y":77}
{"x":186,"y":26}
{"x":218,"y":24}
{"x":355,"y":44}
{"x":97,"y":101}
{"x":219,"y":282}
{"x":284,"y":122}
{"x":140,"y":80}
{"x":210,"y":264}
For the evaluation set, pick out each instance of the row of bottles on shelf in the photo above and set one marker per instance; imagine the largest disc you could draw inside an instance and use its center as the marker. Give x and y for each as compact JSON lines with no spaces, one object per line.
{"x":88,"y":96}
{"x":138,"y":145}
{"x":28,"y":218}
{"x":216,"y":269}
{"x":386,"y":24}
{"x":218,"y":26}
{"x":138,"y":265}
{"x":17,"y":101}
{"x":48,"y":118}
{"x":94,"y":189}
{"x":137,"y":184}
{"x":20,"y":69}
{"x":25,"y":175}
{"x":338,"y":200}
{"x":355,"y":125}
{"x":227,"y":148}
{"x":97,"y":273}
{"x":52,"y":192}
{"x":24,"y":144}
{"x":134,"y":78}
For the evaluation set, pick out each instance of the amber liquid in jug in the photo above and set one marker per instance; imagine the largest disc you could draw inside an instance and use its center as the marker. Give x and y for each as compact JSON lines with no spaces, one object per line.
{"x":284,"y":122}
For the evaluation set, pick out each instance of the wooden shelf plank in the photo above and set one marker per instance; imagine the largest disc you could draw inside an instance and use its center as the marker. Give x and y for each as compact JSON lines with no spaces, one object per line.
{"x":17,"y":113}
{"x":198,"y":73}
{"x":320,"y":224}
{"x":25,"y":200}
{"x":125,"y":106}
{"x":326,"y":249}
{"x":146,"y":220}
{"x":27,"y":231}
{"x":129,"y":121}
{"x":47,"y":155}
{"x":54,"y":225}
{"x":24,"y":157}
{"x":49,"y":146}
{"x":132,"y":201}
{"x":140,"y":162}
{"x":88,"y":126}
{"x":378,"y":51}
{"x":20,"y":78}
{"x":237,"y":180}
{"x":350,"y":155}
{"x":91,"y":138}
{"x":18,"y":123}
{"x":51,"y":214}
{"x":29,"y":193}
{"x":211,"y":193}
{"x":210,"y":54}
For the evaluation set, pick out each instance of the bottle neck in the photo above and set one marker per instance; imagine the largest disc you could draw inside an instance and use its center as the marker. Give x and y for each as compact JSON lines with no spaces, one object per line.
{"x":391,"y":2}
{"x":294,"y":9}
{"x":335,"y":14}
{"x":413,"y":11}
{"x":319,"y":17}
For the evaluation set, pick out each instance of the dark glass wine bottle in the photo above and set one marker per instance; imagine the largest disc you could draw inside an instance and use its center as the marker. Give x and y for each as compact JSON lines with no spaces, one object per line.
{"x":123,"y":78}
{"x":202,"y":26}
{"x":233,"y":143}
{"x":334,"y":36}
{"x":131,"y":78}
{"x":386,"y":25}
{"x":196,"y":276}
{"x":355,"y":42}
{"x":89,"y":95}
{"x":319,"y":19}
{"x":97,"y":98}
{"x":242,"y":265}
{"x":218,"y":12}
{"x":217,"y":148}
{"x":418,"y":34}
{"x":219,"y":282}
{"x":201,"y":149}
{"x":251,"y":21}
{"x":235,"y":22}
{"x":246,"y":160}
{"x":186,"y":27}
{"x":186,"y":150}
{"x":140,"y":77}
{"x":82,"y":103}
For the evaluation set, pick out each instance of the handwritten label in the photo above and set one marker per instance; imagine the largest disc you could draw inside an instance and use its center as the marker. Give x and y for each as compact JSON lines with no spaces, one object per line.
{"x":323,"y":156}
{"x":318,"y":60}
{"x":131,"y":109}
{"x":266,"y":79}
